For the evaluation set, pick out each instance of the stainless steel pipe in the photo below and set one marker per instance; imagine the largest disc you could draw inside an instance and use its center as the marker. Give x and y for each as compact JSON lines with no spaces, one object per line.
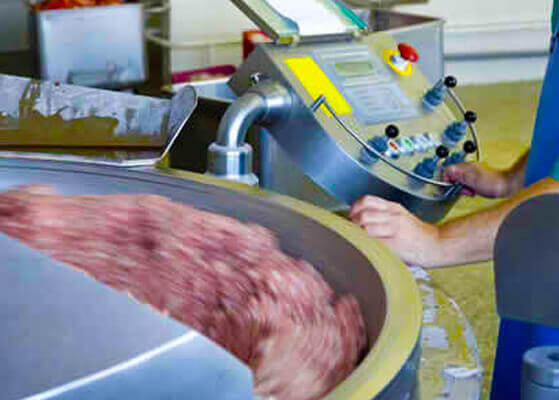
{"x":229,"y":157}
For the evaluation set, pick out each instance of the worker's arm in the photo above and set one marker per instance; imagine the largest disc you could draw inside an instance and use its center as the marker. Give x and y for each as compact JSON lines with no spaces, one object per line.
{"x":472,"y":238}
{"x":463,"y":240}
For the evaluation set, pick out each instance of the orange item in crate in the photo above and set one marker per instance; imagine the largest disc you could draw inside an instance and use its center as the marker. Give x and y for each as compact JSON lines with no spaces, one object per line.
{"x":251,"y":39}
{"x":63,"y":4}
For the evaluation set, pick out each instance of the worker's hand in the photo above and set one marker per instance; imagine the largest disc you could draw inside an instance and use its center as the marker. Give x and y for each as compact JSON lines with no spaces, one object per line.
{"x":478,"y":180}
{"x":415,"y":241}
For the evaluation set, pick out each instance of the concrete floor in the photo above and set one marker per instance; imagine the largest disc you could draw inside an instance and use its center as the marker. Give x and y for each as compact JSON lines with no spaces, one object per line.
{"x":505,"y":120}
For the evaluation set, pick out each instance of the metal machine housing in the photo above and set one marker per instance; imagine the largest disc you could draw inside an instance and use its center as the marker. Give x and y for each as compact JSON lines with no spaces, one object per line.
{"x":327,"y":154}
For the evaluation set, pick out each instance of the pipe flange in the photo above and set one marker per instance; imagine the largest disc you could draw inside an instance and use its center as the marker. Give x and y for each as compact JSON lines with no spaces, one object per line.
{"x":232,"y":163}
{"x":229,"y":157}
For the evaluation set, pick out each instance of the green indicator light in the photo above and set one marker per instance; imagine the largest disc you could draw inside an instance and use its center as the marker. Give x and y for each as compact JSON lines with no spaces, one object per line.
{"x":408,"y":143}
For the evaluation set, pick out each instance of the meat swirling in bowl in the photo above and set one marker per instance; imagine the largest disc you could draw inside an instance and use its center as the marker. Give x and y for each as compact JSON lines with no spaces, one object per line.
{"x":227,"y":279}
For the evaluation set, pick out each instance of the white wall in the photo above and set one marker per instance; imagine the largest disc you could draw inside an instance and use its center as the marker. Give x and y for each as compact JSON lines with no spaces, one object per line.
{"x":485,"y":40}
{"x":493,"y":40}
{"x":206,"y":33}
{"x":479,"y":12}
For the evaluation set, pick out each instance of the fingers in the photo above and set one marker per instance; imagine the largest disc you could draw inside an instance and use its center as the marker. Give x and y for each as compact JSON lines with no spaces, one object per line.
{"x":377,"y":224}
{"x":377,"y":216}
{"x":372,"y":203}
{"x":368,"y":217}
{"x":381,"y":231}
{"x":467,"y":192}
{"x":467,"y":174}
{"x":459,"y":173}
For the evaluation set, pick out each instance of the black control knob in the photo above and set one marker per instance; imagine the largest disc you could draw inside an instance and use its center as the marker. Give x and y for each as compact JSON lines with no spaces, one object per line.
{"x":392,"y":131}
{"x":450,"y":81}
{"x":469,"y":147}
{"x":441,"y":152}
{"x":470,"y":117}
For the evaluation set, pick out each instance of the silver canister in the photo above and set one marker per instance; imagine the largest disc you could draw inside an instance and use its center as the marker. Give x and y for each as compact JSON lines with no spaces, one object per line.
{"x":540,"y":374}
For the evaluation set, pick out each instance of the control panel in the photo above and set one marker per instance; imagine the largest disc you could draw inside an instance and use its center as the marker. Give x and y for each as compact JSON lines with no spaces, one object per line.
{"x":366,"y":84}
{"x":364,"y":120}
{"x":390,"y":105}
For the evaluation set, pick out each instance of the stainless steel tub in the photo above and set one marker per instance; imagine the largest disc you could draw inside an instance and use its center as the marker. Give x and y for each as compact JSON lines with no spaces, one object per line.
{"x":349,"y":261}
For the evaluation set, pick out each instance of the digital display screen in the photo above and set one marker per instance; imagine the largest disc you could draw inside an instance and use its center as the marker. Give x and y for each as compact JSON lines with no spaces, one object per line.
{"x":354,"y":68}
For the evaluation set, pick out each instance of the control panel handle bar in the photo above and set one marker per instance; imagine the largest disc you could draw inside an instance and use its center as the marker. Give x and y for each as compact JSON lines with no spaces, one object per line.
{"x":471,"y":126}
{"x":321,"y":100}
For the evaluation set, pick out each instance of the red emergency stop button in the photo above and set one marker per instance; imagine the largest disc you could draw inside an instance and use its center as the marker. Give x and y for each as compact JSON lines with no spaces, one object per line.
{"x":407,"y":52}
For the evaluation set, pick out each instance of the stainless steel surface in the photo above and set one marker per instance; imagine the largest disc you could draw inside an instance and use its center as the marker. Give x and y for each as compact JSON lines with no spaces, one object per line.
{"x":323,"y":149}
{"x":55,"y":341}
{"x":214,"y":89}
{"x":425,"y":33}
{"x":41,"y":116}
{"x":300,"y":236}
{"x":13,"y":17}
{"x":232,"y":163}
{"x":229,"y":157}
{"x":540,"y":374}
{"x":182,"y":106}
{"x":541,"y":366}
{"x":110,"y":53}
{"x":275,"y":168}
{"x":285,"y":30}
{"x":248,"y":109}
{"x":322,"y":101}
{"x":278,"y":172}
{"x":266,"y":103}
{"x":46,"y":113}
{"x":526,"y":267}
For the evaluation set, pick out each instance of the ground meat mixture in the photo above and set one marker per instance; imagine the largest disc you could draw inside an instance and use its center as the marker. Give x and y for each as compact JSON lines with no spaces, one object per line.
{"x":227,"y":279}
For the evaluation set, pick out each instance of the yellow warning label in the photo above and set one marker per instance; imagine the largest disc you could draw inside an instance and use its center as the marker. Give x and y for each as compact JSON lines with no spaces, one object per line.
{"x":316,"y":83}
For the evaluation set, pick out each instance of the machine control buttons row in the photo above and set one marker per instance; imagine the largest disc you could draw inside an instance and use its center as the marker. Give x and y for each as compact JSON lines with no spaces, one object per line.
{"x":423,"y":142}
{"x":406,"y":146}
{"x":392,"y":147}
{"x":382,"y":144}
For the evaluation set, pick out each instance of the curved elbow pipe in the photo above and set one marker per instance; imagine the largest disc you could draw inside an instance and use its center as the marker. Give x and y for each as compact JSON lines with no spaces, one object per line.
{"x":249,"y":109}
{"x":229,"y":157}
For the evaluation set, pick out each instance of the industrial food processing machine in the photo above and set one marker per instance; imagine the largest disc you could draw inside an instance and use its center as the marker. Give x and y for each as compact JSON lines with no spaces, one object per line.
{"x":62,"y":346}
{"x":387,"y":147}
{"x":74,"y":338}
{"x":350,"y":109}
